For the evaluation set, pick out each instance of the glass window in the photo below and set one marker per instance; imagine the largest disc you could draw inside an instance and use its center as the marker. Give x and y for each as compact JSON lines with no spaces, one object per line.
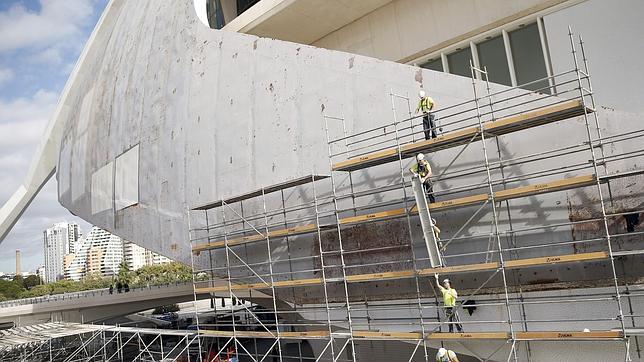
{"x":527,"y":56}
{"x":215,"y":14}
{"x":243,"y":5}
{"x":459,"y":62}
{"x":433,"y":64}
{"x":492,"y":56}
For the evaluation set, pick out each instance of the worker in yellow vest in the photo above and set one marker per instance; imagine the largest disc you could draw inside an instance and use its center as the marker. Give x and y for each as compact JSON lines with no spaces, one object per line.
{"x":425,"y":105}
{"x":446,"y":355}
{"x":449,"y":302}
{"x":423,"y":170}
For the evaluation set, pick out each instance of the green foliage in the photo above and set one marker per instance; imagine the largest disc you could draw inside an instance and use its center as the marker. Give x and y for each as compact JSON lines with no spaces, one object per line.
{"x":124,"y":273}
{"x":161,"y":274}
{"x":10,"y":289}
{"x":94,"y":281}
{"x":166,"y":309}
{"x":31,"y":281}
{"x":18,"y":279}
{"x":37,"y":291}
{"x":148,"y":275}
{"x":65,"y":286}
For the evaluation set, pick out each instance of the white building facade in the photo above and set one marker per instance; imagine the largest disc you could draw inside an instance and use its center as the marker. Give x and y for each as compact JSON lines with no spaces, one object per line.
{"x":136,"y":257}
{"x":102,"y":253}
{"x":59,"y":241}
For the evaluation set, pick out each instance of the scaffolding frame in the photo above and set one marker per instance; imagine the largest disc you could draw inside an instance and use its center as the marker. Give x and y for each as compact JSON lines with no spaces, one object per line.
{"x":72,"y":342}
{"x":343,"y":330}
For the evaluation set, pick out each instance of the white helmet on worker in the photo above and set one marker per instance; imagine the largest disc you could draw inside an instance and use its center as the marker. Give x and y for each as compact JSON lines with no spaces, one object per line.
{"x":421,"y":94}
{"x":420,"y":157}
{"x":446,"y":281}
{"x":441,"y":352}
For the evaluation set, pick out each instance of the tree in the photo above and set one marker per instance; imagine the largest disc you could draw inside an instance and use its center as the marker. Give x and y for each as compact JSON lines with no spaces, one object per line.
{"x":10,"y":289}
{"x":37,"y":291}
{"x":31,"y":281}
{"x":65,"y":286}
{"x":124,"y":273}
{"x":162,"y":274}
{"x":94,"y":281}
{"x":18,"y":279}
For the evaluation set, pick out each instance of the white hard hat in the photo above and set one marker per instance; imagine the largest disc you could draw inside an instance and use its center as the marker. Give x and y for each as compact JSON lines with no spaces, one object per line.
{"x":420,"y":157}
{"x":446,"y":281}
{"x":441,"y":352}
{"x":586,"y":330}
{"x":422,"y":94}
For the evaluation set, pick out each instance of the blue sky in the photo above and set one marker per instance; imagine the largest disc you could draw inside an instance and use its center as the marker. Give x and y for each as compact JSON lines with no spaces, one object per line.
{"x":40,"y":41}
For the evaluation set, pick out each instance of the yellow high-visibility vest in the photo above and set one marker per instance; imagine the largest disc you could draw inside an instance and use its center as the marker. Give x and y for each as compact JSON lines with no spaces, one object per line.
{"x":449,"y":296}
{"x":425,"y":104}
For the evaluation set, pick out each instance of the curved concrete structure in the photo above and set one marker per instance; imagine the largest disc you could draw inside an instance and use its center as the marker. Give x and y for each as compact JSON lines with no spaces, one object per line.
{"x":164,"y":114}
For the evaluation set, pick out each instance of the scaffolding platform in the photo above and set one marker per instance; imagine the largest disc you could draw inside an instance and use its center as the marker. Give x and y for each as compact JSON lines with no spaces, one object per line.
{"x":529,"y":119}
{"x":508,"y":194}
{"x":405,"y":274}
{"x":415,"y":336}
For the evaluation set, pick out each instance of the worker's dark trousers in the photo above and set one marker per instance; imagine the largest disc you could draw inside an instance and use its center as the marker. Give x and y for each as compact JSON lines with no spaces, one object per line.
{"x":429,"y":190}
{"x":452,"y":317}
{"x":429,"y":126}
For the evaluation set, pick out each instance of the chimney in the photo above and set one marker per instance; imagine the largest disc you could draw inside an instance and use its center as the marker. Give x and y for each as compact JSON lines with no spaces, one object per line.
{"x":18,"y":262}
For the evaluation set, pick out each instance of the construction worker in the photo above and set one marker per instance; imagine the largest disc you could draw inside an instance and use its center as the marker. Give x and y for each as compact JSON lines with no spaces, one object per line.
{"x":425,"y":105}
{"x":437,"y":231}
{"x":446,"y":355}
{"x":423,"y":170}
{"x":449,"y":301}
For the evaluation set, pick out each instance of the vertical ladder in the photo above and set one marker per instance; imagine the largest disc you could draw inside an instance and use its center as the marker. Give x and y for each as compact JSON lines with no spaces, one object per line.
{"x":426,"y":222}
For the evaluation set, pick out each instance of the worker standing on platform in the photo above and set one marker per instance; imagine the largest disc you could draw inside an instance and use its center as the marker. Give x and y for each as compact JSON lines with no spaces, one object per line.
{"x":446,"y":355}
{"x":425,"y":105}
{"x":423,"y":170}
{"x":449,"y":301}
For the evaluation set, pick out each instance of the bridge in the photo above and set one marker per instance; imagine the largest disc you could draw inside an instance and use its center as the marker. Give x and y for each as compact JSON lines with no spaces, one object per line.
{"x":93,"y":306}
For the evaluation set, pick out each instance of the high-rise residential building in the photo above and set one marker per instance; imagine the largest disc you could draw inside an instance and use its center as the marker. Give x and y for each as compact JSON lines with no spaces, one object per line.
{"x":104,"y":253}
{"x":40,"y":271}
{"x":73,"y":235}
{"x":136,"y":257}
{"x":76,"y":269}
{"x":59,"y":240}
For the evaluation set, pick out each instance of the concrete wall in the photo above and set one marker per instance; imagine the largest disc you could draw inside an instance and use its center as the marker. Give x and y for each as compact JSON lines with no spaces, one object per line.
{"x":407,"y":29}
{"x":217,"y":114}
{"x":612,"y":32}
{"x":214,"y":114}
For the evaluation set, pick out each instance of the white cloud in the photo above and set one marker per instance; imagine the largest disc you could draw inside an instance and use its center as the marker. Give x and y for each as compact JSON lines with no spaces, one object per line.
{"x":5,"y":75}
{"x":49,"y":55}
{"x":57,"y":21}
{"x":22,"y":124}
{"x":52,"y":35}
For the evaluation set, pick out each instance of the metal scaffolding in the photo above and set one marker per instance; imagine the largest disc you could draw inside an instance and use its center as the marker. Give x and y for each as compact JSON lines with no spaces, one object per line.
{"x":71,"y":342}
{"x":305,"y":283}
